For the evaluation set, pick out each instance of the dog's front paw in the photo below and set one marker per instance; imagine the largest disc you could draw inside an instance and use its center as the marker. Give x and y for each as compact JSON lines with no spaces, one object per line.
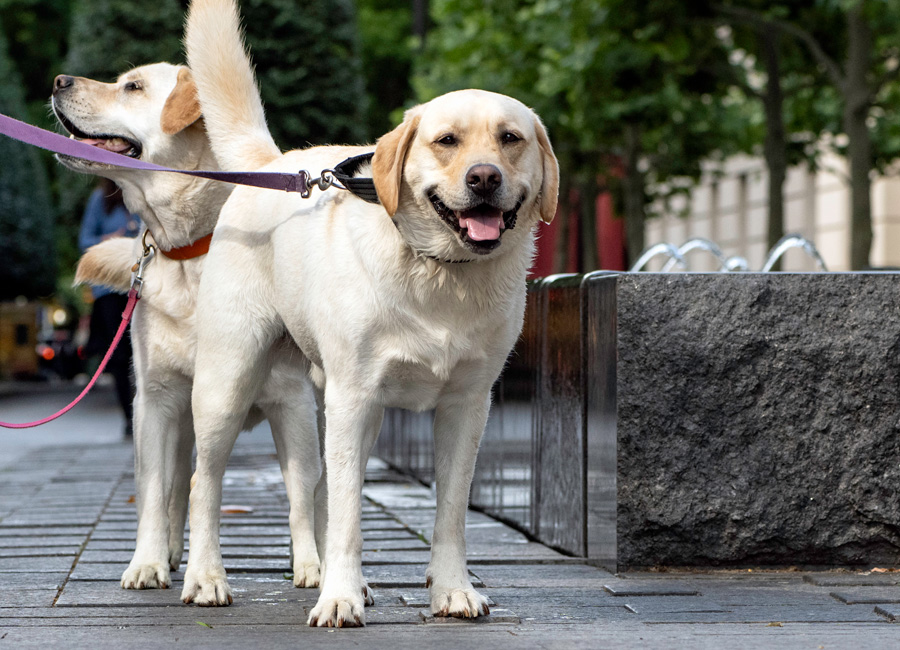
{"x":151,"y":575}
{"x":461,"y":603}
{"x":206,"y":588}
{"x":368,"y":595}
{"x":306,"y":574}
{"x":338,"y":612}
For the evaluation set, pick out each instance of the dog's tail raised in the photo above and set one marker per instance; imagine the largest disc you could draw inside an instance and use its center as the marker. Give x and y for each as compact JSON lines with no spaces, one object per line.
{"x":229,"y":97}
{"x":107,"y":264}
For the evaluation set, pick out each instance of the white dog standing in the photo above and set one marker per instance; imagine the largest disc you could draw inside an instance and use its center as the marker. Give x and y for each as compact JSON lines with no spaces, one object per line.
{"x":415,"y":303}
{"x":152,"y":113}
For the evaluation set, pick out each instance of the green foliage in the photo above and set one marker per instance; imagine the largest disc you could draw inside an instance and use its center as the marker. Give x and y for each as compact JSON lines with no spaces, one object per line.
{"x":308,"y":66}
{"x":36,"y":31}
{"x":387,"y":49}
{"x":108,"y":37}
{"x":27,"y":256}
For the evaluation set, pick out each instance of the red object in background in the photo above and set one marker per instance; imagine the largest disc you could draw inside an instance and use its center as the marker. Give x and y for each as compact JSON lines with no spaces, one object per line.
{"x":610,"y":240}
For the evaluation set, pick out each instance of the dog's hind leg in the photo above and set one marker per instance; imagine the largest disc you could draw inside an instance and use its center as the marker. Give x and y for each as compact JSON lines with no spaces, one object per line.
{"x":321,"y":492}
{"x":293,"y":422}
{"x":181,"y":488}
{"x":159,"y":407}
{"x":458,"y":427}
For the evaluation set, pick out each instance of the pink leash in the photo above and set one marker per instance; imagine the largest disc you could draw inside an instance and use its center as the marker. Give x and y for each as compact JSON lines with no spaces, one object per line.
{"x":133,"y":297}
{"x":134,"y":294}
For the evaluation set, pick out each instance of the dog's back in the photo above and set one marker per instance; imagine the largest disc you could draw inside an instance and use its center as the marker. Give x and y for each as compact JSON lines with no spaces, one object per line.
{"x":230,"y":98}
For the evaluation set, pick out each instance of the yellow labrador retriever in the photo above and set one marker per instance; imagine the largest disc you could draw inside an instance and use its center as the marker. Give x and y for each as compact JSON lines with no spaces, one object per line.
{"x":414,"y":303}
{"x":152,"y":112}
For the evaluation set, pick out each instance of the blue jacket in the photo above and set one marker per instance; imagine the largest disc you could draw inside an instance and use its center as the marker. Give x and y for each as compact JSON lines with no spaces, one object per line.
{"x":96,"y":224}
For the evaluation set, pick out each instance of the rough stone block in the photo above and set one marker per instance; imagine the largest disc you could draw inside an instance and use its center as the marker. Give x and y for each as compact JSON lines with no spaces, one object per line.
{"x":758,"y":419}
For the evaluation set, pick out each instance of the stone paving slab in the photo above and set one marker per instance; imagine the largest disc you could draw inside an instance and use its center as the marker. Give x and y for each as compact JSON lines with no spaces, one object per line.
{"x":27,"y":580}
{"x":34,"y":541}
{"x":853,"y":580}
{"x":628,"y":588}
{"x":868,"y":595}
{"x":762,"y":614}
{"x":35,"y":564}
{"x":41,"y":551}
{"x":27,"y":597}
{"x":541,"y":575}
{"x":47,"y":531}
{"x":890,"y":612}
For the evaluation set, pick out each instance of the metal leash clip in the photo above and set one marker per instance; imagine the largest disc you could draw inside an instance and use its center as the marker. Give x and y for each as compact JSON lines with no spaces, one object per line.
{"x":137,"y":271}
{"x":323,"y":182}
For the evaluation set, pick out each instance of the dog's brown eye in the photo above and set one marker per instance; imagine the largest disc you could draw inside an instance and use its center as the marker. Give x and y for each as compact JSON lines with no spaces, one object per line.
{"x":448,"y":140}
{"x":133,"y":85}
{"x":509,"y":138}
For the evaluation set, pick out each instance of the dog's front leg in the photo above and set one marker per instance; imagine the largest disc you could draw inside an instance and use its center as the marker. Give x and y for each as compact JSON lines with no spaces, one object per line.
{"x":158,"y":412}
{"x":458,"y":426}
{"x":351,"y":428}
{"x":225,"y":387}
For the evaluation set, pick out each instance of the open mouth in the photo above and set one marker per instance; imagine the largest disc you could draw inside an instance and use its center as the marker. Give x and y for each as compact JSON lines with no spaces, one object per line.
{"x":479,"y":227}
{"x":114,"y":143}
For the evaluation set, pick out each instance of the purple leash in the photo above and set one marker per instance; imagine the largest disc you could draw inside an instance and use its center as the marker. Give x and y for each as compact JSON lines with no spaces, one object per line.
{"x":68,"y":147}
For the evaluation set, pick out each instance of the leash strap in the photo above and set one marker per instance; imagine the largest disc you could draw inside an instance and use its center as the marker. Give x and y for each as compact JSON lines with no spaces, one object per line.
{"x":68,"y":147}
{"x":133,"y":297}
{"x":301,"y":182}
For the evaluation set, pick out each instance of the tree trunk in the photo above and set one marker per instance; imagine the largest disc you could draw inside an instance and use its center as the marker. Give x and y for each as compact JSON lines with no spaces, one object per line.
{"x":857,"y":94}
{"x":561,"y":245}
{"x":633,"y":194}
{"x":420,"y":21}
{"x":588,"y":203}
{"x":775,"y":148}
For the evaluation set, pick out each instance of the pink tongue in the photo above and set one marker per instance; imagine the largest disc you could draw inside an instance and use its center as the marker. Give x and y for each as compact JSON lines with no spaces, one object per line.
{"x":107,"y":144}
{"x":481,"y":227}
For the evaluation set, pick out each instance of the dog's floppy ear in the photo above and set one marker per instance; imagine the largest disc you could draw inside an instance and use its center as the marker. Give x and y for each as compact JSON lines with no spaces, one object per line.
{"x":182,"y":108}
{"x":549,"y":195}
{"x":390,"y":156}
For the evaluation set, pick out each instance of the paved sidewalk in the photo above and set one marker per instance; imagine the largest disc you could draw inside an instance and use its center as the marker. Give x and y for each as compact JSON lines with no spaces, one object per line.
{"x":67,"y":525}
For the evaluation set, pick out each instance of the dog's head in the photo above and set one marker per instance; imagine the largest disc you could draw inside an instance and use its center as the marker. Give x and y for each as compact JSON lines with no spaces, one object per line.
{"x":464,"y":169}
{"x":144,"y":114}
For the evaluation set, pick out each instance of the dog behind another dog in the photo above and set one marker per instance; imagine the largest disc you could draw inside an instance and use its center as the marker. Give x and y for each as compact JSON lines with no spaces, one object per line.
{"x":414,"y":303}
{"x":152,"y":113}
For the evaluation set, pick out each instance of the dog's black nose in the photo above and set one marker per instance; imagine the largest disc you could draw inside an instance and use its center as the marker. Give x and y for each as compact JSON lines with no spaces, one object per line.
{"x":483,"y":179}
{"x":62,"y":82}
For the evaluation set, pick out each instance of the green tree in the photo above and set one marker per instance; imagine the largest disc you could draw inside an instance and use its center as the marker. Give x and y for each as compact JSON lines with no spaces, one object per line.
{"x":27,"y":254}
{"x":309,"y":70}
{"x":37,"y":31}
{"x":107,"y":37}
{"x":860,"y":58}
{"x":778,"y":73}
{"x":387,"y":46}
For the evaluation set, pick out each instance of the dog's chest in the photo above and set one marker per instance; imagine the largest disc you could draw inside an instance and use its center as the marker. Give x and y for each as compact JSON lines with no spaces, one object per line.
{"x":165,"y":324}
{"x":414,"y":365}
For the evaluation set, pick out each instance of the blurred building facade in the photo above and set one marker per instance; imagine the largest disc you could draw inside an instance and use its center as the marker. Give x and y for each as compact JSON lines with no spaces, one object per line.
{"x":731,"y":208}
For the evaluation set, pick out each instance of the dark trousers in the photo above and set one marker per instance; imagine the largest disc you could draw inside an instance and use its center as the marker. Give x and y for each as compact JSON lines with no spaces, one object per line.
{"x":106,"y":317}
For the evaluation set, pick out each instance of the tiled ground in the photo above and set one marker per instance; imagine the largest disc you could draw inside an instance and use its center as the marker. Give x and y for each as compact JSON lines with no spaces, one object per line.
{"x":67,"y":526}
